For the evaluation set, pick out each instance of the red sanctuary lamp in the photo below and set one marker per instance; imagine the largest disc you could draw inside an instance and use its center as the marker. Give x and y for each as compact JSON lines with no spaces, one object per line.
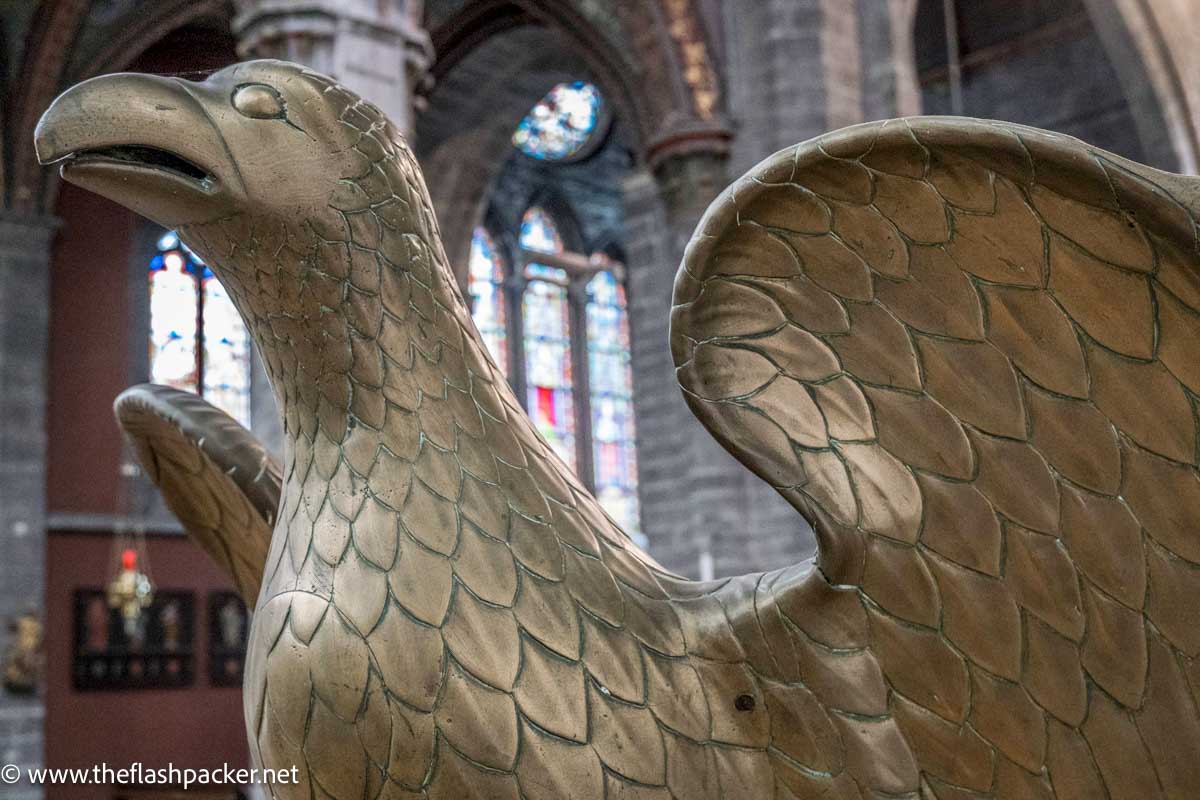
{"x":130,"y":590}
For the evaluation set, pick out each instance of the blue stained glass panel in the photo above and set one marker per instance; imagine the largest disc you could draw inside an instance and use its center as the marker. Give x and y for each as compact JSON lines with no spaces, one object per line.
{"x":486,"y":274}
{"x":198,"y":342}
{"x":226,"y":353}
{"x":541,"y":271}
{"x":561,"y":122}
{"x":538,"y":232}
{"x":548,"y":376}
{"x":610,"y":378}
{"x":174,"y":323}
{"x":546,"y":314}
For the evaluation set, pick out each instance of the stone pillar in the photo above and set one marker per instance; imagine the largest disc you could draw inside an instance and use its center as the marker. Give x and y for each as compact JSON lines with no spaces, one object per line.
{"x":24,"y":335}
{"x":377,"y":48}
{"x":890,"y":86}
{"x":702,"y":512}
{"x":650,"y":251}
{"x":793,"y":71}
{"x":842,"y":62}
{"x":577,"y":304}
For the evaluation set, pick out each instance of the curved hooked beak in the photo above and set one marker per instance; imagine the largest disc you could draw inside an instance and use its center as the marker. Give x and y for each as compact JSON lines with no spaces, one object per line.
{"x":146,"y":142}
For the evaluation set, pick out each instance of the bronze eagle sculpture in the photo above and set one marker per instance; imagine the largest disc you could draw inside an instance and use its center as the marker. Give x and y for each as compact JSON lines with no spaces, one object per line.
{"x":965,"y":351}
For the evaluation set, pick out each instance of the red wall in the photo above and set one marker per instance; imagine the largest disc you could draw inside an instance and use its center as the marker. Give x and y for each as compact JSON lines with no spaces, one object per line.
{"x":89,"y":350}
{"x":89,"y":326}
{"x":90,"y":344}
{"x":199,"y":727}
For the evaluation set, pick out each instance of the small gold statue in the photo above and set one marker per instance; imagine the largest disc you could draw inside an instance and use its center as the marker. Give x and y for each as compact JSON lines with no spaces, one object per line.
{"x":23,"y":660}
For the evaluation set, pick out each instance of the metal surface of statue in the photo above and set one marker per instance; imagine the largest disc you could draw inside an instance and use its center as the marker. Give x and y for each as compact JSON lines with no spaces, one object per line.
{"x":965,"y":351}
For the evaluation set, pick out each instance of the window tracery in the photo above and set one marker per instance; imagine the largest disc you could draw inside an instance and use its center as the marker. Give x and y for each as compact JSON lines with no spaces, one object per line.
{"x":546,"y":312}
{"x":560,"y":124}
{"x":571,"y":340}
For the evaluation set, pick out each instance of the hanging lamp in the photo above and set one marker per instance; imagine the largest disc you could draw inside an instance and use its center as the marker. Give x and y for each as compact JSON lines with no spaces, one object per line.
{"x":130,"y":587}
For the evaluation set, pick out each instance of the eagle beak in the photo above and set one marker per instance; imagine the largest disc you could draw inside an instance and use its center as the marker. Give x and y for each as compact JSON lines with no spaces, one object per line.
{"x":144,"y":141}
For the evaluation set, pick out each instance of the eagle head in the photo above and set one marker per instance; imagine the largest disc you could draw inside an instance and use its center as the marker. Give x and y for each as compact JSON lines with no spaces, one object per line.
{"x":268,"y":138}
{"x":303,"y":198}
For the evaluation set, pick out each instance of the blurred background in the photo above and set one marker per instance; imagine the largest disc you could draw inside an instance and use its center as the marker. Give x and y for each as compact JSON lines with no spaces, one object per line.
{"x":570,"y":147}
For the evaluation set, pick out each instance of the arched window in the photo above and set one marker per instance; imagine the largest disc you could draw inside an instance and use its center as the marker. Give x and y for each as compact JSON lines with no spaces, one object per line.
{"x":610,"y":382}
{"x":546,"y":312}
{"x":539,"y":233}
{"x":561,"y":123}
{"x":197,"y":340}
{"x":486,"y":273}
{"x":571,"y":341}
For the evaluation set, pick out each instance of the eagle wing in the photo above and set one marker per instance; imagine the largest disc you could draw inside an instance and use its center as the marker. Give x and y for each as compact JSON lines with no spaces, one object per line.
{"x":215,"y":476}
{"x":967,"y":353}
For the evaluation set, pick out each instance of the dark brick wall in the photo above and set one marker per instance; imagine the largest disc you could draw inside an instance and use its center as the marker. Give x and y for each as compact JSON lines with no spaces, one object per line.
{"x":666,"y":430}
{"x":774,"y":81}
{"x":698,"y":503}
{"x":1044,"y":66}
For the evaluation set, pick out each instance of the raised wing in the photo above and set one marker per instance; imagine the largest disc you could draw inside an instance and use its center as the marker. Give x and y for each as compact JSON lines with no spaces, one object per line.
{"x":967,"y":352}
{"x":214,"y":475}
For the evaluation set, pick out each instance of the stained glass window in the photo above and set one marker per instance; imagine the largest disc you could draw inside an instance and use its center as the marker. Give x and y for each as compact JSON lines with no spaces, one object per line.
{"x":610,"y":379}
{"x":546,"y":311}
{"x":547,"y":346}
{"x":486,"y":274}
{"x":561,"y":122}
{"x":197,"y":340}
{"x":538,"y":232}
{"x":226,"y":352}
{"x":174,"y":324}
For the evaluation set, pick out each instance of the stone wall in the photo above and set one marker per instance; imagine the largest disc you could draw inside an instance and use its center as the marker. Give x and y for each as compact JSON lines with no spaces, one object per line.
{"x":1044,"y":67}
{"x":24,"y":314}
{"x":703,"y":513}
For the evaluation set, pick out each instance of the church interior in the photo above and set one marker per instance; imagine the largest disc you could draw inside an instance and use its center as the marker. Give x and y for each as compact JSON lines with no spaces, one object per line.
{"x":570,"y":148}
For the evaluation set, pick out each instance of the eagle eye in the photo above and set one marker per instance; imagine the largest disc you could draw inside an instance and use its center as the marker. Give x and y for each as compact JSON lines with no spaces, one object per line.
{"x":258,"y":101}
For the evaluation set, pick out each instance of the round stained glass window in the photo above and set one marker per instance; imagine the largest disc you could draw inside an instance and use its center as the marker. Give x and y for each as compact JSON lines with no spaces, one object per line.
{"x":561,"y":123}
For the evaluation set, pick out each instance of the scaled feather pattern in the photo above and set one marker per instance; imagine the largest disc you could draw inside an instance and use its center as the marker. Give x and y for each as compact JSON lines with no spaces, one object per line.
{"x":965,"y":351}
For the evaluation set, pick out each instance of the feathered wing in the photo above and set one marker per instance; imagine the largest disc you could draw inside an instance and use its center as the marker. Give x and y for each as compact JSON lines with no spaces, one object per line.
{"x":968,"y":353}
{"x":214,"y":475}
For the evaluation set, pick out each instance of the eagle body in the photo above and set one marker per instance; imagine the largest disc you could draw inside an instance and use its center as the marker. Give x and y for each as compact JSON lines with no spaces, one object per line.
{"x":964,"y":351}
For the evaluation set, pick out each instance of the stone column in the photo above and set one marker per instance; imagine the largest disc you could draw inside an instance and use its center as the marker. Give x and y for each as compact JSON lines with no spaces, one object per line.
{"x":377,"y":48}
{"x":890,"y":86}
{"x":577,"y":303}
{"x":792,"y":72}
{"x":688,"y":488}
{"x":24,"y":335}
